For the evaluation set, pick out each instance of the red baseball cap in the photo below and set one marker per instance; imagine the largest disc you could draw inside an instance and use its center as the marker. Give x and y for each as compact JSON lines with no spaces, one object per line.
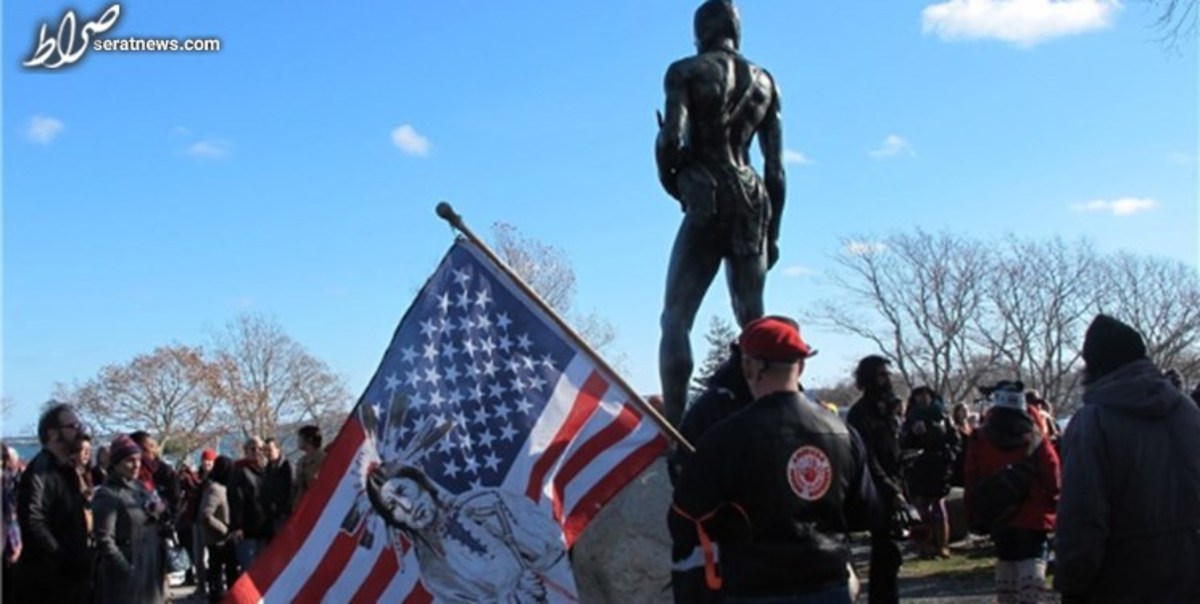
{"x":774,"y":338}
{"x":208,"y":455}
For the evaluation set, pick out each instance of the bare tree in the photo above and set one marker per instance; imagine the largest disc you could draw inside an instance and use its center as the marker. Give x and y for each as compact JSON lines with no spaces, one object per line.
{"x":267,"y":379}
{"x":955,"y":314}
{"x":548,"y":270}
{"x":921,"y":293}
{"x":1161,"y":299}
{"x":168,"y":392}
{"x":1177,"y":19}
{"x":1040,"y":297}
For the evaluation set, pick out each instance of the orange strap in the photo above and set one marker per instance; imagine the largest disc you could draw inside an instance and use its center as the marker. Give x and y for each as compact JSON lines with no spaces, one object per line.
{"x":711,"y":578}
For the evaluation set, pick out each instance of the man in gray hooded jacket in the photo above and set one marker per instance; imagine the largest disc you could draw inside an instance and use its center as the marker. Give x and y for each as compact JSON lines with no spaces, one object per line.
{"x":1129,"y":513}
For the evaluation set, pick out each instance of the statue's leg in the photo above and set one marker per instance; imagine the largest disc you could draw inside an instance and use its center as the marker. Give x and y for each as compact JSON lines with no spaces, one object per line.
{"x":747,"y":276}
{"x":693,"y":266}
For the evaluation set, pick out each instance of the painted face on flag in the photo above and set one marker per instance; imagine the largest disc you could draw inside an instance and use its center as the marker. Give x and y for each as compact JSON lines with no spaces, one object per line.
{"x":408,"y":503}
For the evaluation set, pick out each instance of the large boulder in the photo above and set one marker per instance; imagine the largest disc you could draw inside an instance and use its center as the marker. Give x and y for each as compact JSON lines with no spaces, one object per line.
{"x":624,"y":555}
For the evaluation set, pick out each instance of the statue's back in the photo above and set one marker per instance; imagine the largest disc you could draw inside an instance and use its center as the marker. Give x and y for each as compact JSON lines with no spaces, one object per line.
{"x":728,"y":99}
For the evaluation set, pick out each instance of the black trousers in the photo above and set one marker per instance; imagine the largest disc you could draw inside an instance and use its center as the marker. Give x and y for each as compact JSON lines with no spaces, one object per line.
{"x":885,"y":565}
{"x":183,"y":534}
{"x":688,"y":587}
{"x":222,"y":570}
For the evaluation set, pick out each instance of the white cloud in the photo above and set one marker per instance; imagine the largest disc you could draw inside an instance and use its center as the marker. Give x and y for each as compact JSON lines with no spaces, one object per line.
{"x":797,"y":270}
{"x":863,"y":248}
{"x":892,"y":146}
{"x":43,"y":129}
{"x":1124,"y":206}
{"x":210,"y":148}
{"x":791,"y":156}
{"x":1023,"y":23}
{"x":408,"y":140}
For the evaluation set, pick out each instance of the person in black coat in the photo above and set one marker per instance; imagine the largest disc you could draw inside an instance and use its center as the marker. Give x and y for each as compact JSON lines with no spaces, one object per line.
{"x":874,"y":416}
{"x":55,"y":564}
{"x":249,"y":521}
{"x":928,"y":432}
{"x":777,"y":485}
{"x":726,"y":394}
{"x":278,"y":482}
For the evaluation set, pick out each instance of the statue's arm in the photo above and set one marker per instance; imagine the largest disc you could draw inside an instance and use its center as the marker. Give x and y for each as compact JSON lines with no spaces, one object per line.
{"x":668,"y":149}
{"x":770,"y":140}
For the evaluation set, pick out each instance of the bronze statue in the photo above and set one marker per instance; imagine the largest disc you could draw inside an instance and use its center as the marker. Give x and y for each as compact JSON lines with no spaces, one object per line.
{"x":716,"y":102}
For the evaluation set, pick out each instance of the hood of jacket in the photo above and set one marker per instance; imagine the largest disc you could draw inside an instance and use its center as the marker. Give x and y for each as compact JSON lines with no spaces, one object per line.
{"x":1008,"y":429}
{"x":1137,"y":389}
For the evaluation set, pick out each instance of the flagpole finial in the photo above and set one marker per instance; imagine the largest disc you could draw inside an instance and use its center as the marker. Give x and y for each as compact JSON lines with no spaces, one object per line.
{"x":447,"y":213}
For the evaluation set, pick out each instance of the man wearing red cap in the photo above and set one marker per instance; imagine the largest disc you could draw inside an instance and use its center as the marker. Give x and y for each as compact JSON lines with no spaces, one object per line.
{"x":777,"y":485}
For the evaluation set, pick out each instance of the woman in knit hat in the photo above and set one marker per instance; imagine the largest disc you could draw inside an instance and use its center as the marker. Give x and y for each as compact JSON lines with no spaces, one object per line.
{"x":1009,"y":437}
{"x":129,"y":551}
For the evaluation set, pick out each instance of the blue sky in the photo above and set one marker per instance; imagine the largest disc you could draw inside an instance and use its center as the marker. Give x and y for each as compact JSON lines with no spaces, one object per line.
{"x":148,"y":198}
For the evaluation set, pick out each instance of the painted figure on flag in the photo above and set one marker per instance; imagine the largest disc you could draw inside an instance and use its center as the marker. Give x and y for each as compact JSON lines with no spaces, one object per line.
{"x":481,"y":545}
{"x":485,"y":545}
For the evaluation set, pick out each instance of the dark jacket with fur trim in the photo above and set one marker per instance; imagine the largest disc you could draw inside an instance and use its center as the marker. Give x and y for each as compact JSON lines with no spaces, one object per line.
{"x":1129,"y":516}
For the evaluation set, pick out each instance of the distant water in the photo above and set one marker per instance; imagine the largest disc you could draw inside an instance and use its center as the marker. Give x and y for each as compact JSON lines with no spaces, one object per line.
{"x":26,"y":448}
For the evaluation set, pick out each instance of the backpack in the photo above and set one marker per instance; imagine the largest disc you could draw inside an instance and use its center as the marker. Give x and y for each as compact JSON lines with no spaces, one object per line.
{"x":997,"y":498}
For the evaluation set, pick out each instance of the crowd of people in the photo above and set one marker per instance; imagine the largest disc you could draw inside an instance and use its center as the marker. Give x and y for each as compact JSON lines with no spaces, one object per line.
{"x":763,"y":508}
{"x":776,"y":482}
{"x":111,"y":529}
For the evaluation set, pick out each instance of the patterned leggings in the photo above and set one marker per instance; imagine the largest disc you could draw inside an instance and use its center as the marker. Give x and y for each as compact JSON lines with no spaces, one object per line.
{"x":1020,"y":582}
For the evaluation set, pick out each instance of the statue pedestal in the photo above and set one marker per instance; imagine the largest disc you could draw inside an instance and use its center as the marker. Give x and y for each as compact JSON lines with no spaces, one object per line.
{"x":624,"y":555}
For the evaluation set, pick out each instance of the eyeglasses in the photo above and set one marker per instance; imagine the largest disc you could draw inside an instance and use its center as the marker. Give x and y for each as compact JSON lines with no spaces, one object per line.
{"x":76,"y":426}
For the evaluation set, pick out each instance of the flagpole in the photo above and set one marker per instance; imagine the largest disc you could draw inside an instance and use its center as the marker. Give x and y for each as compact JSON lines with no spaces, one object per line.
{"x":447,"y":213}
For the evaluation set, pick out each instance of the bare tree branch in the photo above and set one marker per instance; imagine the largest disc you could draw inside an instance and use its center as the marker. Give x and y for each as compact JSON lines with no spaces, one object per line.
{"x":923,"y":291}
{"x":548,"y":270}
{"x":267,"y":379}
{"x":168,"y":392}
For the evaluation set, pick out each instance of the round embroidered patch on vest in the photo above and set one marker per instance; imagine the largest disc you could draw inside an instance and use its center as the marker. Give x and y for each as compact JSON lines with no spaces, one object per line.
{"x":809,"y":473}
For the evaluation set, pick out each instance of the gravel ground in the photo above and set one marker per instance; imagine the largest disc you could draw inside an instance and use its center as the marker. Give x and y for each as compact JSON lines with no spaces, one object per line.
{"x":951,"y":587}
{"x":967,"y":579}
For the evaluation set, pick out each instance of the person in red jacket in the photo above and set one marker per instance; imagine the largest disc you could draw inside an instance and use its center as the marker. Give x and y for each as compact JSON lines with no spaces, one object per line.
{"x":1006,"y":438}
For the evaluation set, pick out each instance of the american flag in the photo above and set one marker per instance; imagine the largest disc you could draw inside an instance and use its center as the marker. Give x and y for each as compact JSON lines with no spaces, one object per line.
{"x":485,"y":395}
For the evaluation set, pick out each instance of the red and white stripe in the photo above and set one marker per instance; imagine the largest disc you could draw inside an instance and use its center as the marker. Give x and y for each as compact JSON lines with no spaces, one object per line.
{"x":583,"y":450}
{"x":588,"y":443}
